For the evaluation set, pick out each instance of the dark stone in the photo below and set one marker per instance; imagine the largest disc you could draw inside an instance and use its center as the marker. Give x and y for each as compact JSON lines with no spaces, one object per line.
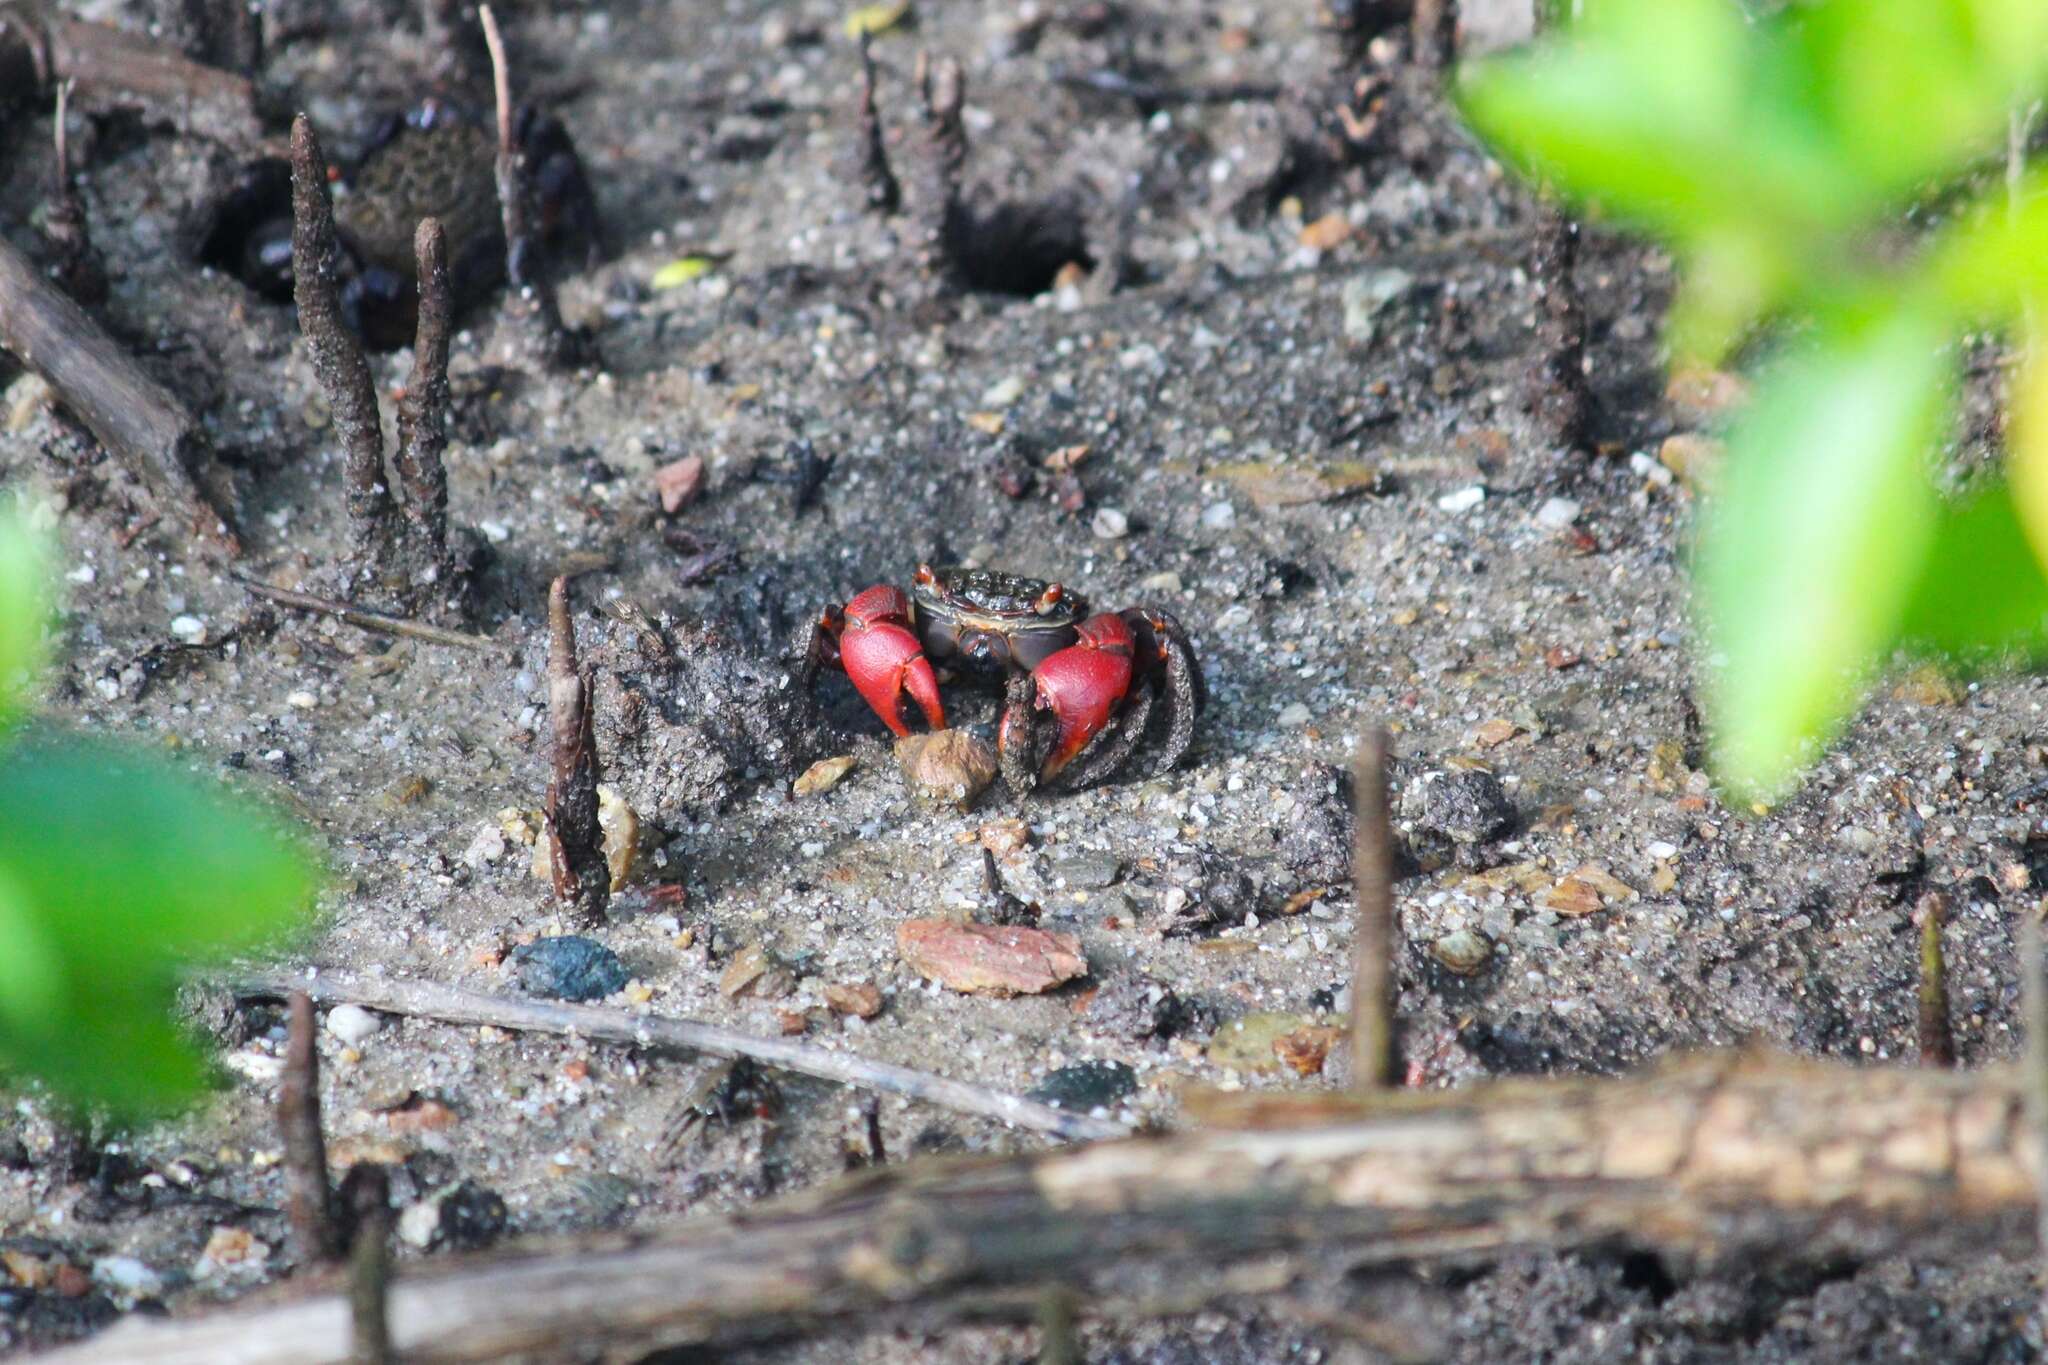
{"x":569,"y":968}
{"x":1316,"y":842}
{"x":472,"y":1217}
{"x":1134,"y":1007}
{"x":1085,"y":1086}
{"x":1466,"y":807}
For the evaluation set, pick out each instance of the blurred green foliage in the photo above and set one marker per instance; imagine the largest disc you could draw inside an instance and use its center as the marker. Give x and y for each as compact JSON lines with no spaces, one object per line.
{"x":1775,"y":156}
{"x":118,"y":872}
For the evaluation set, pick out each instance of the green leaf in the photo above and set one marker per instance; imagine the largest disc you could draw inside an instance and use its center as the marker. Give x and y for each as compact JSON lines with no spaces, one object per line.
{"x":24,"y":610}
{"x":1911,"y":88}
{"x":122,"y":871}
{"x":1981,"y":590}
{"x":1994,"y":260}
{"x":1809,"y":555}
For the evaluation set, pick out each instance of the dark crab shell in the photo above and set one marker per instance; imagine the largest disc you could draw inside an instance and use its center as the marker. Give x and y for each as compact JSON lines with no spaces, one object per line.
{"x":992,"y":618}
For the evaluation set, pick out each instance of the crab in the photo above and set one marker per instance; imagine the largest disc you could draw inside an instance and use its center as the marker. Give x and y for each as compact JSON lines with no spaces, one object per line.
{"x":434,"y":159}
{"x":1082,"y":692}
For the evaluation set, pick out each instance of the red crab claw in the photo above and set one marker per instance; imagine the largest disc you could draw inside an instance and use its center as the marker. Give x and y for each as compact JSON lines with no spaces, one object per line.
{"x":882,"y":656}
{"x":1083,"y":684}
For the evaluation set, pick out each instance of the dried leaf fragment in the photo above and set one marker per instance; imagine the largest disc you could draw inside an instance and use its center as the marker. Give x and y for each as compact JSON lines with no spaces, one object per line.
{"x":989,"y":959}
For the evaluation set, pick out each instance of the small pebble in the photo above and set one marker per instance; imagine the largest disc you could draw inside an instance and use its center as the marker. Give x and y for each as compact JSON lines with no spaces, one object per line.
{"x":1003,"y":392}
{"x":1219,"y":516}
{"x":1463,"y":500}
{"x":569,"y":967}
{"x":1462,"y":951}
{"x":352,"y":1024}
{"x":188,"y":628}
{"x":1085,"y":1086}
{"x":304,"y":701}
{"x":1295,"y":715}
{"x":1110,"y":524}
{"x":1557,"y":513}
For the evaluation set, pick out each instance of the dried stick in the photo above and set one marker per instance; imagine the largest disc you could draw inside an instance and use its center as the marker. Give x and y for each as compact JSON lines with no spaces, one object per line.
{"x":2034,"y":1064}
{"x":363,"y":619}
{"x":531,"y":294}
{"x":1937,"y":1034}
{"x":79,"y":267}
{"x":337,"y":356}
{"x":1560,"y":403}
{"x":884,"y":194}
{"x":309,"y":1200}
{"x":366,"y":1192}
{"x":1731,"y":1157}
{"x":138,"y":420}
{"x":423,"y":412}
{"x":453,"y":1004}
{"x":942,"y":91}
{"x":1373,"y":988}
{"x":115,"y":69}
{"x":575,"y":842}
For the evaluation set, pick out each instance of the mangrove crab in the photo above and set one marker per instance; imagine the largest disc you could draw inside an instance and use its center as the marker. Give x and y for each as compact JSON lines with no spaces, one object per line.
{"x":435,"y":159}
{"x":1108,"y":680}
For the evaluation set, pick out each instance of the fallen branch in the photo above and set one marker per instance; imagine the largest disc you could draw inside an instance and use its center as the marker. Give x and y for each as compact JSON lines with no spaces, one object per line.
{"x":363,"y":619}
{"x":140,"y":422}
{"x":115,"y":69}
{"x":454,"y":1005}
{"x":1727,"y":1156}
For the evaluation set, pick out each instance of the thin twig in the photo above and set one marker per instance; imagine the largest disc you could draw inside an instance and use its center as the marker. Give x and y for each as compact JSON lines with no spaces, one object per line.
{"x":363,"y":619}
{"x":2034,"y":1067}
{"x":309,"y":1200}
{"x":942,"y":92}
{"x":582,"y":876}
{"x":1937,"y":1034}
{"x":1373,"y":1062}
{"x":338,"y":361}
{"x":453,"y":1004}
{"x":79,"y":266}
{"x":366,"y":1192}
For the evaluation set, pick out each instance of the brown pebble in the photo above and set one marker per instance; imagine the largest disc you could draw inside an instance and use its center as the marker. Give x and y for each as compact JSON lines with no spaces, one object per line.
{"x":70,"y":1282}
{"x":680,"y":482}
{"x":947,"y":767}
{"x":860,"y":999}
{"x":1305,"y":1049}
{"x":792,"y":1022}
{"x":1561,"y":658}
{"x":1327,"y":232}
{"x":421,"y":1115}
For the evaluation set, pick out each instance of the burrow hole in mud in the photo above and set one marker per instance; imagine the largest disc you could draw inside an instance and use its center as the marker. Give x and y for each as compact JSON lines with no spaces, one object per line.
{"x":1017,"y":247}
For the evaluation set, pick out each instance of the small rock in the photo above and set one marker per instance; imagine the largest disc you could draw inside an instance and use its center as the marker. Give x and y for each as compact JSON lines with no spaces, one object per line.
{"x":1365,"y":296}
{"x":1085,"y":1086}
{"x":1291,"y":485}
{"x":353,"y":1024}
{"x":1005,"y":837}
{"x":1699,"y":394}
{"x":1219,"y":516}
{"x":461,"y":1217}
{"x":127,"y":1277}
{"x":680,"y":482}
{"x":1326,"y":233}
{"x":1247,"y":1044}
{"x":569,"y":967}
{"x":823,"y":775}
{"x":1305,"y":1049}
{"x":947,"y":767}
{"x":987,"y":423}
{"x":1003,"y":392}
{"x":231,"y":1251}
{"x":1463,"y":499}
{"x":188,"y":628}
{"x":1133,"y":1006}
{"x":753,"y":973}
{"x":860,"y":999}
{"x":421,"y":1114}
{"x":1088,"y":871}
{"x":1557,"y":513}
{"x":301,"y":700}
{"x":1694,"y":458}
{"x":620,"y":826}
{"x":1166,"y":582}
{"x":1462,"y":951}
{"x":1316,"y":840}
{"x":1856,"y":839}
{"x":1931,"y":685}
{"x":1466,"y":807}
{"x":1110,"y":523}
{"x":1295,"y":715}
{"x":485,"y":849}
{"x":1585,"y":891}
{"x":989,"y":959}
{"x":792,"y":1022}
{"x":1491,"y":734}
{"x":1560,"y":657}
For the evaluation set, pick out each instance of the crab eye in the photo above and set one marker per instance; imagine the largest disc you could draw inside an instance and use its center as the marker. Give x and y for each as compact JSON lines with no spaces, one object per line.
{"x":924,"y":577}
{"x":1053,"y":595}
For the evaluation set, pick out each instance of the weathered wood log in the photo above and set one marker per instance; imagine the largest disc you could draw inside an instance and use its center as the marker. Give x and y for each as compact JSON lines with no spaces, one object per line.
{"x":1720,"y":1156}
{"x":115,"y":69}
{"x":138,"y":420}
